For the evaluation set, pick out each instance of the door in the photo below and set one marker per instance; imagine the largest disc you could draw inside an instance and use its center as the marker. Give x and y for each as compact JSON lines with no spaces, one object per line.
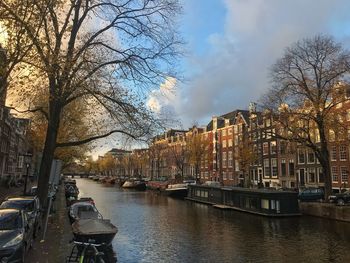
{"x":302,"y":176}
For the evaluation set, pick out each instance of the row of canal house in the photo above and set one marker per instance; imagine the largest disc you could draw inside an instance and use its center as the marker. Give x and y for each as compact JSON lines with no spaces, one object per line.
{"x":14,"y":143}
{"x":238,"y":149}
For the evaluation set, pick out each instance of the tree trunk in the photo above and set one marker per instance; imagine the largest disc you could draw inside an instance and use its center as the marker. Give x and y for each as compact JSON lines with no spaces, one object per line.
{"x":48,"y":152}
{"x":197,"y":176}
{"x":324,"y":161}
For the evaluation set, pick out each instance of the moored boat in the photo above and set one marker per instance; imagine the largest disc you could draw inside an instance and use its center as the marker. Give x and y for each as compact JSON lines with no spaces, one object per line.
{"x":177,"y":190}
{"x":135,"y":184}
{"x":111,"y":180}
{"x":157,"y":185}
{"x":96,"y":231}
{"x":266,"y":202}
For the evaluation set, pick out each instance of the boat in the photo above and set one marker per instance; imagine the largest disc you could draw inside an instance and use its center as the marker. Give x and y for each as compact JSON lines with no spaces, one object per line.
{"x":95,"y":231}
{"x":83,"y":210}
{"x":157,"y":185}
{"x":265,"y":202}
{"x":177,"y":190}
{"x":135,"y":184}
{"x":111,"y":180}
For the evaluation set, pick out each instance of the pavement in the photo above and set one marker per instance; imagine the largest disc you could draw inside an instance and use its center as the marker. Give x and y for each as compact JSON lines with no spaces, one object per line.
{"x":56,"y":246}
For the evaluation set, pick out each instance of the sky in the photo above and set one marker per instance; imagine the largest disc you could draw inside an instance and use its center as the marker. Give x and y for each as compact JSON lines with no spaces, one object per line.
{"x":232,"y":44}
{"x":230,"y":47}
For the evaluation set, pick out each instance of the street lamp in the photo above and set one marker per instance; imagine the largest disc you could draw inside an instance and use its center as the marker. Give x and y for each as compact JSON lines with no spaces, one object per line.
{"x":27,"y":160}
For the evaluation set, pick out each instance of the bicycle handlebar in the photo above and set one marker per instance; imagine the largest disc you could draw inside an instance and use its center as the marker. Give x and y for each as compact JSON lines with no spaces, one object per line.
{"x":88,"y":244}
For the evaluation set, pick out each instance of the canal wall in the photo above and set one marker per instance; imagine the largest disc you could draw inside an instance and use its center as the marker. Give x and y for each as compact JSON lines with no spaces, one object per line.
{"x":325,"y":210}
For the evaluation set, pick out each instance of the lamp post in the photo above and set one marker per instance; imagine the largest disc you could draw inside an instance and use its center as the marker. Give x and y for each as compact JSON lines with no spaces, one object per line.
{"x":27,"y":159}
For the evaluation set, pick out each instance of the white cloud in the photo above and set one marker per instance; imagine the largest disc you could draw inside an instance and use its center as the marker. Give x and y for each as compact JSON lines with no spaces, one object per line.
{"x":235,"y":69}
{"x":164,"y":97}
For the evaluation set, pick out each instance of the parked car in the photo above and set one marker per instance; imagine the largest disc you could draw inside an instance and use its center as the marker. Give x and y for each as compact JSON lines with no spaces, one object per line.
{"x":16,"y":235}
{"x":31,"y":205}
{"x":311,"y":194}
{"x":340,"y":198}
{"x":71,"y":190}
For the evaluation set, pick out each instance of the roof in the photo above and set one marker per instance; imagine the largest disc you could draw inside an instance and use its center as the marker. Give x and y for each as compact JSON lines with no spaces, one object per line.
{"x":20,"y":198}
{"x":9,"y":210}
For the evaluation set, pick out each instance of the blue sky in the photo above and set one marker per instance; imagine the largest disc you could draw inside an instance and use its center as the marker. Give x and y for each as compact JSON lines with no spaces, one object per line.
{"x":231,"y":44}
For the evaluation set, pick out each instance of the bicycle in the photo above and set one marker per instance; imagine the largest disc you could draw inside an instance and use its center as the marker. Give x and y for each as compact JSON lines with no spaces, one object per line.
{"x":86,"y":253}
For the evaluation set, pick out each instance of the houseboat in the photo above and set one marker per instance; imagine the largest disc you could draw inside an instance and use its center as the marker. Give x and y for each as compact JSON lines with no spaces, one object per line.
{"x":177,"y":190}
{"x":264,"y":202}
{"x":135,"y":184}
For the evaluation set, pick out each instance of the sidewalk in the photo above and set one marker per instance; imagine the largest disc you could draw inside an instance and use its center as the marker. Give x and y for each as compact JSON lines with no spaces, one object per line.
{"x":56,"y":246}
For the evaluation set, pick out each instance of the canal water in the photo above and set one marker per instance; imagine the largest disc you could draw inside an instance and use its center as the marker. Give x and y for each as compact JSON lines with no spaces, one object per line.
{"x":155,"y":228}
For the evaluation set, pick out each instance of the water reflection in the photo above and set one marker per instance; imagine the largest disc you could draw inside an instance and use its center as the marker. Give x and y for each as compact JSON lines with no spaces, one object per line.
{"x":155,"y":228}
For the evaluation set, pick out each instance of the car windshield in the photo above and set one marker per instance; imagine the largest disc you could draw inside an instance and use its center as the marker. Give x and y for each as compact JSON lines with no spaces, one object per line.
{"x":27,"y":205}
{"x":10,"y":220}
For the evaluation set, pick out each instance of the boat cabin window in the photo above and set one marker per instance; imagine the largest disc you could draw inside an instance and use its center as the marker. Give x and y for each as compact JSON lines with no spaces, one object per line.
{"x":264,"y":203}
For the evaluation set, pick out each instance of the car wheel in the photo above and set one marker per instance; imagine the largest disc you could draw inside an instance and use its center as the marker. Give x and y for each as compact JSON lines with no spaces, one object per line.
{"x":340,"y":202}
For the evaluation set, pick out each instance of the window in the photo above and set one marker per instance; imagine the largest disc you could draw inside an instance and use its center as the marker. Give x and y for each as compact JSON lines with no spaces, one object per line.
{"x":311,"y":175}
{"x":273,"y":148}
{"x":223,"y":132}
{"x":317,"y":136}
{"x":224,"y":144}
{"x":231,"y":175}
{"x":268,"y":134}
{"x":20,"y":161}
{"x":265,"y":148}
{"x":283,"y":147}
{"x":301,"y":157}
{"x":264,"y":203}
{"x":273,"y":204}
{"x":267,"y":167}
{"x":224,"y":175}
{"x":320,"y":175}
{"x":283,"y":167}
{"x":230,"y":131}
{"x":342,"y":153}
{"x":236,"y":165}
{"x":335,"y":173}
{"x":224,"y":158}
{"x":274,"y":167}
{"x":267,"y":122}
{"x":331,"y":135}
{"x":230,"y":143}
{"x":334,"y":153}
{"x":310,"y":157}
{"x":291,"y":168}
{"x":344,"y":174}
{"x":230,"y":159}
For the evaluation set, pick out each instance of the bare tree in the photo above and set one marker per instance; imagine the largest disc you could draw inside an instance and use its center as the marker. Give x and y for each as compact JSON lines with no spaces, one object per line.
{"x":307,"y":88}
{"x":196,"y":146}
{"x":107,"y":52}
{"x":155,"y":155}
{"x":178,"y":154}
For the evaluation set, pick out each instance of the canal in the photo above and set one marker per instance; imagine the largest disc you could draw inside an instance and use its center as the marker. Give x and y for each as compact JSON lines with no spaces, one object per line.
{"x":154,"y":228}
